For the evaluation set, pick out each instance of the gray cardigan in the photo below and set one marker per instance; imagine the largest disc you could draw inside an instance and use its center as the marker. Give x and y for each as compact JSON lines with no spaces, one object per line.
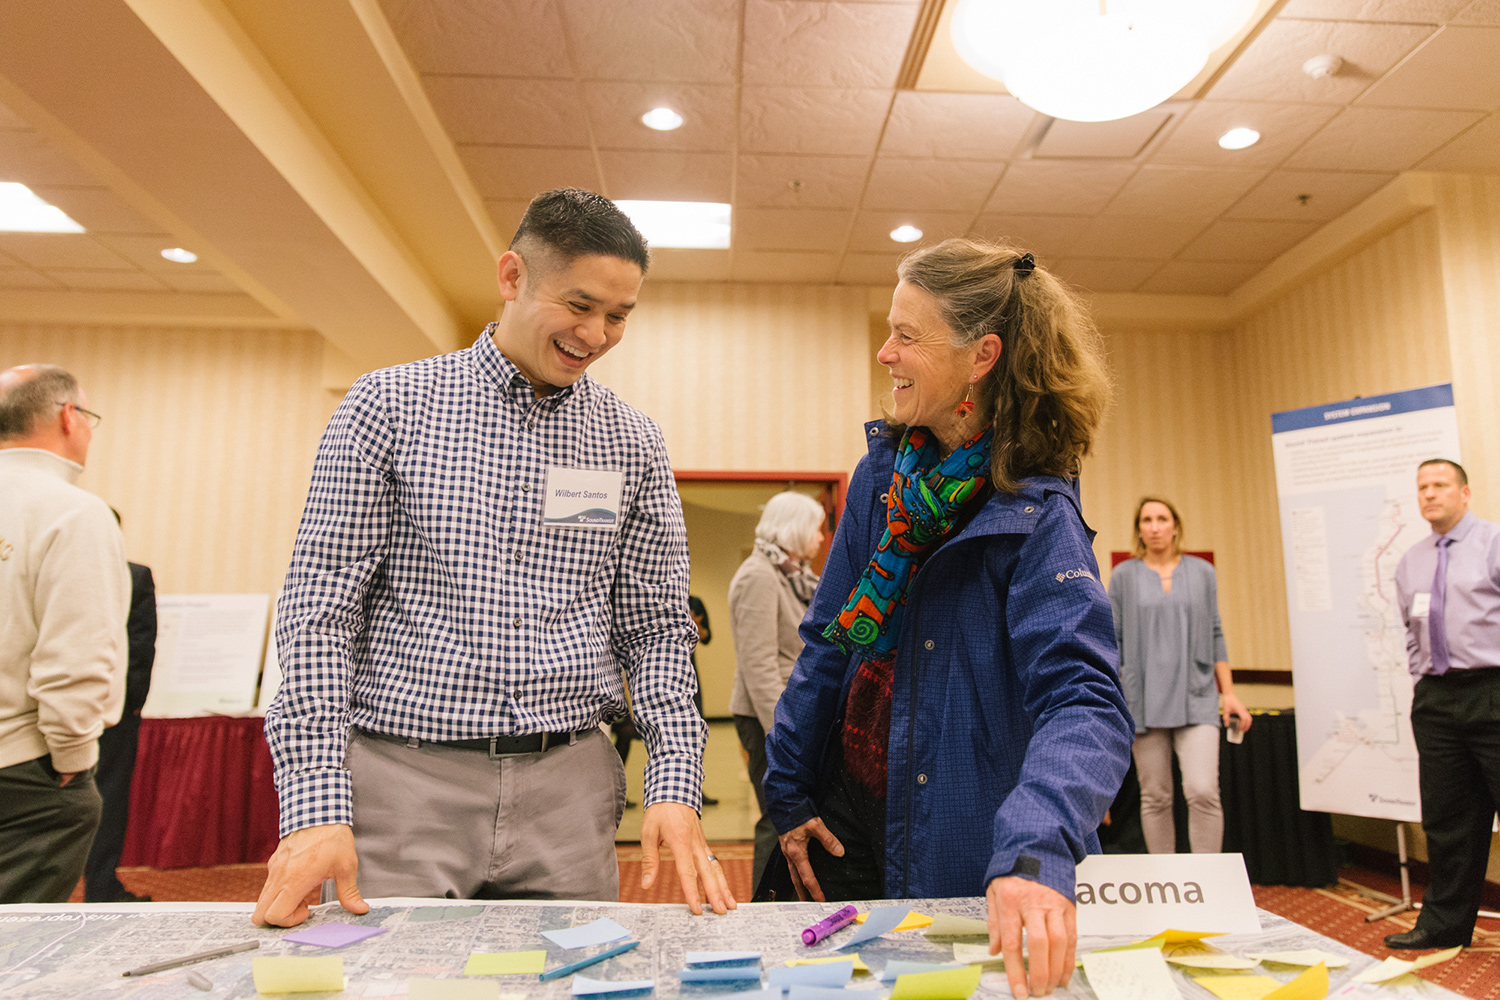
{"x":1168,"y":643}
{"x":764,"y":614}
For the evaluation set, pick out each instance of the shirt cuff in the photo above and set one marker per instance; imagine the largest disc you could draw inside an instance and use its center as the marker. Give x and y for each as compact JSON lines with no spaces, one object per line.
{"x":316,"y":798}
{"x":71,"y":760}
{"x":674,"y":779}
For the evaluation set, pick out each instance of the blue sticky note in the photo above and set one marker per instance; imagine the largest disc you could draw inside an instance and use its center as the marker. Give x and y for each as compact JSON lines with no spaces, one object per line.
{"x":881,"y":920}
{"x":586,"y":987}
{"x":896,"y":968}
{"x":599,"y":932}
{"x":827,"y":974}
{"x":720,"y":974}
{"x":699,"y":959}
{"x":817,"y":993}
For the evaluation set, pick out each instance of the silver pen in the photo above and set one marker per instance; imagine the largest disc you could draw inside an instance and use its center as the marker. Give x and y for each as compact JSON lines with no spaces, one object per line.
{"x":202,"y":956}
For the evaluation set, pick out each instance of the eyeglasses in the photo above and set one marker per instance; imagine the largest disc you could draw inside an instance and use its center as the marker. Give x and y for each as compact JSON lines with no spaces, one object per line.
{"x":89,"y":415}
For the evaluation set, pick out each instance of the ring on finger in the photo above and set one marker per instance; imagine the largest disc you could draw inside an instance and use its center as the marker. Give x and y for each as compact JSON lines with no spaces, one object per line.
{"x":713,"y":858}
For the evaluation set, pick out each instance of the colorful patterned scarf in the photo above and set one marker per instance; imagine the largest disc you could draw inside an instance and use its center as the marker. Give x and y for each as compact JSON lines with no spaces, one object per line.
{"x":927,"y":498}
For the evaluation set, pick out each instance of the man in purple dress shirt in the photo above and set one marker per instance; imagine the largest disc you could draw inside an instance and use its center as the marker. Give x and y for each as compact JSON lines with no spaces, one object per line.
{"x":1448,"y":585}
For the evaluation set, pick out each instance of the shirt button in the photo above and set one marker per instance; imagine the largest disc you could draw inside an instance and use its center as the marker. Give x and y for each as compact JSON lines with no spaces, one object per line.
{"x":517,"y":622}
{"x":921,"y":779}
{"x":525,"y":487}
{"x":929,"y":644}
{"x":519,"y":556}
{"x":531,"y":425}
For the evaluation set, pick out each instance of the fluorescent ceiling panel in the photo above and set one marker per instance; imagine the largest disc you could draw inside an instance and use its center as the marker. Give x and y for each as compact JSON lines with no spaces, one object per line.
{"x":21,"y":211}
{"x":700,"y":225}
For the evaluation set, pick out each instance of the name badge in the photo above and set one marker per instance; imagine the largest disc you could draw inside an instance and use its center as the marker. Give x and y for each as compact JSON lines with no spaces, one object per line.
{"x":583,"y":498}
{"x":1420,"y":605}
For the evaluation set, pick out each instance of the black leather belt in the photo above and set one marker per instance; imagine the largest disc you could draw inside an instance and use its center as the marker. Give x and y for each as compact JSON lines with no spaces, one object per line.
{"x":495,"y":746}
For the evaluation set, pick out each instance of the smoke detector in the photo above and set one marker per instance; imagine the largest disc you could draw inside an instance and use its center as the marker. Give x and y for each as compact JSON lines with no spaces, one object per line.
{"x":1320,"y":66}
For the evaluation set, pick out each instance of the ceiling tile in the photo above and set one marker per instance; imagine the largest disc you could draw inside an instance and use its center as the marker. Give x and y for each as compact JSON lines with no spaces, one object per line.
{"x":1049,"y":237}
{"x":1282,"y":127}
{"x":799,"y":268}
{"x":1136,"y":239}
{"x":872,"y":229}
{"x":1474,"y":151}
{"x":1247,"y":240}
{"x":520,"y":173}
{"x":793,"y":120}
{"x":825,"y":44}
{"x":509,"y":112}
{"x":1380,"y":138}
{"x":692,"y":41}
{"x":877,"y":269}
{"x":1331,"y":195}
{"x":1173,"y":192}
{"x":790,"y":228}
{"x":931,"y":185}
{"x":106,"y":281}
{"x":1101,"y":275}
{"x":1454,"y":69}
{"x":1183,"y":277}
{"x":48,"y":250}
{"x":1480,"y":12}
{"x":826,"y":181}
{"x":1271,"y":68}
{"x":24,"y":277}
{"x":1122,"y":139}
{"x":26,"y":157}
{"x":506,"y":215}
{"x":201,"y":283}
{"x":99,"y":210}
{"x":1053,"y":187}
{"x":667,"y":176}
{"x":145,"y":253}
{"x":486,"y":37}
{"x":707,"y":112}
{"x":955,"y":126}
{"x":675,"y":264}
{"x":1407,"y":11}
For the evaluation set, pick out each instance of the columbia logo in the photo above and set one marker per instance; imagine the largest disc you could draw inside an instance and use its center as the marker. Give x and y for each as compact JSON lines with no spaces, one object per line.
{"x":1074,"y":574}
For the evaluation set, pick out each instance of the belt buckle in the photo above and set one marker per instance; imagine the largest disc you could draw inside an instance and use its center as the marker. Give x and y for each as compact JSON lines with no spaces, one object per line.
{"x":494,"y":754}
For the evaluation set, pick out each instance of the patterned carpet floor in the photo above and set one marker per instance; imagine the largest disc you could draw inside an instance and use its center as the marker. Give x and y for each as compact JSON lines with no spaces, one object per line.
{"x":1339,"y":911}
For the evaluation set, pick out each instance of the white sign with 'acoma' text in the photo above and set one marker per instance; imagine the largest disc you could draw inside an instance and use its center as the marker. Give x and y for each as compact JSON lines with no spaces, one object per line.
{"x":1144,"y":894}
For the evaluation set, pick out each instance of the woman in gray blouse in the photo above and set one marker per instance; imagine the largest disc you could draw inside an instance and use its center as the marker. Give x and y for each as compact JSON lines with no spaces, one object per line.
{"x":1174,"y":668}
{"x":767,"y":599}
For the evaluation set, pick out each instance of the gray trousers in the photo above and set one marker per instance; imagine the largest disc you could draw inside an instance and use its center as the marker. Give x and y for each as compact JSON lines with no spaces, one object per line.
{"x":1197,"y":750}
{"x":45,"y":831}
{"x":438,"y":822}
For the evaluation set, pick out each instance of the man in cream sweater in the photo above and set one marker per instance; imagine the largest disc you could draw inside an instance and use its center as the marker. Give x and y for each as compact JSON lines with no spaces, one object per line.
{"x":64,"y":596}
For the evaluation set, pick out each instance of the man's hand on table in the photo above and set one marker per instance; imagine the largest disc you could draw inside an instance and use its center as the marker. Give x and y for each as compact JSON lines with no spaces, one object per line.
{"x":1049,"y":918}
{"x":676,"y":826}
{"x":302,"y":861}
{"x":794,"y":848}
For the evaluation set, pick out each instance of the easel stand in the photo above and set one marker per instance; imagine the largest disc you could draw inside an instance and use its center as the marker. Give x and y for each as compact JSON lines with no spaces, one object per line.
{"x":1404,"y":903}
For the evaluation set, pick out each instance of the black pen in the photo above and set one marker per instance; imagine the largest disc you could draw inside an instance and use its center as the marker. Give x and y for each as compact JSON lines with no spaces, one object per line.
{"x":202,"y":956}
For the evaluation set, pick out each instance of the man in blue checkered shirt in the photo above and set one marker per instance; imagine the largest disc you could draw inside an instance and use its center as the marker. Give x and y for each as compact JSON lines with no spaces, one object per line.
{"x":490,"y":537}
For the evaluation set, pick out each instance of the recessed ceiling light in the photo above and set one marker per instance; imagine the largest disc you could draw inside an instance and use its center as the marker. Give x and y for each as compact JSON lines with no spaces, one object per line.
{"x":700,"y":225}
{"x":179,"y":256}
{"x":1239,"y":138}
{"x":906,"y":234}
{"x":662,"y":119}
{"x":21,"y":211}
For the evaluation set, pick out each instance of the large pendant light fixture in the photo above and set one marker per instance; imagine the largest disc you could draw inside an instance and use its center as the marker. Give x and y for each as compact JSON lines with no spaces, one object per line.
{"x":1094,"y":60}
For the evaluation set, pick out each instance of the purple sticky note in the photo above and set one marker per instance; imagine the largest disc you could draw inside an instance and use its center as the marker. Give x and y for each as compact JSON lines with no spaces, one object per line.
{"x":333,"y":935}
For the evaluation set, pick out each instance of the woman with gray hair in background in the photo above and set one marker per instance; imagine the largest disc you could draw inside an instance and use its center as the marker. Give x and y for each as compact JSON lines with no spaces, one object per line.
{"x":767,"y":599}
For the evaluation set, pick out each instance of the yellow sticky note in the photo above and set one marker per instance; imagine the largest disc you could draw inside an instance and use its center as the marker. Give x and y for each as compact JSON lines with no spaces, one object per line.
{"x":1239,"y":987}
{"x":1385,"y":971}
{"x":910,"y":922}
{"x":975,"y":954}
{"x":506,"y":963}
{"x":1306,"y":956}
{"x":948,"y":984}
{"x":1126,"y":974}
{"x":859,"y":963}
{"x":1180,"y":937}
{"x":452,"y":989}
{"x":1155,"y":944}
{"x":1311,"y":985}
{"x":289,"y":974}
{"x":946,"y":925}
{"x":1435,"y":958}
{"x":1209,"y":960}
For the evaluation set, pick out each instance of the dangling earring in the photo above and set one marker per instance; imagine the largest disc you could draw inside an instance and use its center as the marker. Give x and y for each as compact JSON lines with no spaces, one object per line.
{"x":967,"y":406}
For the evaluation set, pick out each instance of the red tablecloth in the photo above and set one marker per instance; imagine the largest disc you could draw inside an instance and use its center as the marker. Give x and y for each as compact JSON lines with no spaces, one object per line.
{"x":202,"y":794}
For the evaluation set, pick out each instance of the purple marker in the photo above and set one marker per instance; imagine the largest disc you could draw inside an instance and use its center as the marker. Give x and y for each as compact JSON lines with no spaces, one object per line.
{"x":826,"y":926}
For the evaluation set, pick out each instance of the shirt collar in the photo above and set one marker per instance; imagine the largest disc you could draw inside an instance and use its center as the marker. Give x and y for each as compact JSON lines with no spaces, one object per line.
{"x":1458,"y":531}
{"x":501,"y":372}
{"x":41,"y":460}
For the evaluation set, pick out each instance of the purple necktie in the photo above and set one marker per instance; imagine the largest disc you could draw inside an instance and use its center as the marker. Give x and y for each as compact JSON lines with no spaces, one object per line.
{"x":1437,"y":628}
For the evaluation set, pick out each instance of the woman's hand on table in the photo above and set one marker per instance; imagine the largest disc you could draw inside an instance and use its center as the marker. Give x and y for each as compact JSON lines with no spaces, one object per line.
{"x":794,"y":847}
{"x":1049,"y":919}
{"x":303,"y":859}
{"x":1233,"y":708}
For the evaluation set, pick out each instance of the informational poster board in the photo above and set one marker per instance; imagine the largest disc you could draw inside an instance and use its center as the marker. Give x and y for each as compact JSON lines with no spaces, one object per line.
{"x":208,"y":654}
{"x":1346,"y":478}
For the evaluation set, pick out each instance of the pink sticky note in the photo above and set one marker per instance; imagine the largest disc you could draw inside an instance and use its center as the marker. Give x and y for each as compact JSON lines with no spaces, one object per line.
{"x":333,"y":935}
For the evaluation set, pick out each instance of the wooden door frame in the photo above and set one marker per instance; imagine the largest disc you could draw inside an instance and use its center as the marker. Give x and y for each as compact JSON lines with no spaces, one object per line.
{"x":839,"y":481}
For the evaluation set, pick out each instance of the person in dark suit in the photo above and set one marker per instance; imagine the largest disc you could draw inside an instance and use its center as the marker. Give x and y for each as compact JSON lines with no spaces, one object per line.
{"x":117,"y":748}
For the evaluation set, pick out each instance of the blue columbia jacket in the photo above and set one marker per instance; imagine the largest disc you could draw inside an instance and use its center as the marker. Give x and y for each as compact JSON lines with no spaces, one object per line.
{"x":1009,"y":731}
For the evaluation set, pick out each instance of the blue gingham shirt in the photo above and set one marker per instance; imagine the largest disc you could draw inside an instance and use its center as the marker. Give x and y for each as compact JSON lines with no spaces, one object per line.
{"x":426,"y":600}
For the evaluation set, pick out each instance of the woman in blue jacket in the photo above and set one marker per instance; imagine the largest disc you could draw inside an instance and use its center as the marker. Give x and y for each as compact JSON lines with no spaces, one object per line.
{"x":955,"y":724}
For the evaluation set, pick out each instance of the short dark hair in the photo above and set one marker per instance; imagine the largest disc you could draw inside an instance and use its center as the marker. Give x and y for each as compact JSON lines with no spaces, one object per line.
{"x":29,"y":399}
{"x":569,"y":223}
{"x":1463,"y":477}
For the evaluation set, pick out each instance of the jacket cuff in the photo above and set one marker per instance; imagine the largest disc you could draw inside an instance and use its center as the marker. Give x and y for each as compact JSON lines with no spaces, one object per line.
{"x":70,"y":760}
{"x":1035,"y":863}
{"x":788,"y":818}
